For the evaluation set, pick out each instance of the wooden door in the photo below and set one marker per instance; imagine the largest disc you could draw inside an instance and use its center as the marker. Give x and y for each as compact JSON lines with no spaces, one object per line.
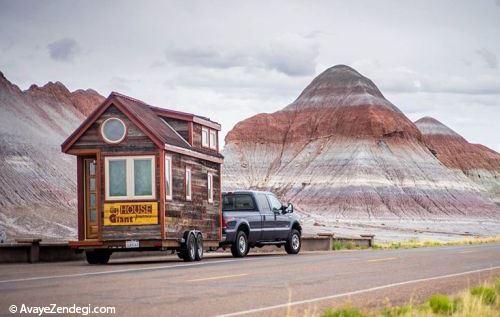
{"x":90,"y":198}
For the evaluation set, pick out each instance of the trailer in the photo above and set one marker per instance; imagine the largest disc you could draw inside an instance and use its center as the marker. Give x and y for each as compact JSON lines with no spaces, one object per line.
{"x":148,"y":178}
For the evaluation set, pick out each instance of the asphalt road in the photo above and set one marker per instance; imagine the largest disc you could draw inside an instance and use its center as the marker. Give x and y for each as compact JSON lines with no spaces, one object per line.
{"x":259,"y":285}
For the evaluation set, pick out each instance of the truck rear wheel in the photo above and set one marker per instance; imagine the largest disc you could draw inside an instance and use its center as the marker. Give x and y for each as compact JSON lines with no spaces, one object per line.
{"x":189,"y":252}
{"x":240,"y":247}
{"x":293,"y":243}
{"x":97,"y":257}
{"x":199,"y":247}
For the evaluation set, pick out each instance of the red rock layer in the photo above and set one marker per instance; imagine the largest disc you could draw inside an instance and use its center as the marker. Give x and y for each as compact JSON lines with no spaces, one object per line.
{"x":455,"y":152}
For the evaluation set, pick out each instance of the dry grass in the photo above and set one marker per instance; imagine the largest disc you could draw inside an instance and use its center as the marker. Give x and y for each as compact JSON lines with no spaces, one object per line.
{"x":430,"y":243}
{"x":481,"y":301}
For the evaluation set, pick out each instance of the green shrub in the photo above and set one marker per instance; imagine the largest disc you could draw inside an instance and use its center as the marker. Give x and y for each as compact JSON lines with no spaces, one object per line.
{"x":396,"y":311}
{"x":343,"y":312}
{"x":497,"y":285}
{"x":337,"y":245}
{"x":486,"y":293}
{"x":442,"y":304}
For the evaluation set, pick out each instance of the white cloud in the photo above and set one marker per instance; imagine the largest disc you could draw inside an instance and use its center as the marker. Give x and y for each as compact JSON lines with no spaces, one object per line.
{"x":290,"y":55}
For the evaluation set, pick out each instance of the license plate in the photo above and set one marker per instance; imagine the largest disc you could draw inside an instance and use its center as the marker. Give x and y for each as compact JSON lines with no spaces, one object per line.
{"x":132,"y":244}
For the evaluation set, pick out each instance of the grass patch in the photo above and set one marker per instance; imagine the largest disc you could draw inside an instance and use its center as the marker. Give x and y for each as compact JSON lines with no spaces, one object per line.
{"x":345,"y":245}
{"x":487,"y":294}
{"x":442,"y":304}
{"x":479,"y":301}
{"x":343,"y":312}
{"x":414,"y":243}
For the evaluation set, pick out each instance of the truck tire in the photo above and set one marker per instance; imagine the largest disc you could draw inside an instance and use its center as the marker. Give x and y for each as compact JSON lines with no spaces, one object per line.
{"x":293,"y":243}
{"x":240,"y":247}
{"x":189,"y":252}
{"x":199,"y":247}
{"x":96,"y":257}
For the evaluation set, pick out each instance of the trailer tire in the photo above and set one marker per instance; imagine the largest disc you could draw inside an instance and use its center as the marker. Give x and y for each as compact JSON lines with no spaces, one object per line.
{"x":240,"y":247}
{"x":199,"y":247}
{"x":96,"y":257}
{"x":189,"y":252}
{"x":293,"y":243}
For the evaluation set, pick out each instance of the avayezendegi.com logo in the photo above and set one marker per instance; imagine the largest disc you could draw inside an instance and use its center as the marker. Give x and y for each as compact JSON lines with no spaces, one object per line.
{"x":63,"y":310}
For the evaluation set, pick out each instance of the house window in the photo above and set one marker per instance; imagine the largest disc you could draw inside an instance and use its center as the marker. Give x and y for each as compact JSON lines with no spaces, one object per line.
{"x":210,"y":187}
{"x":213,"y":139}
{"x":204,"y":137}
{"x":129,"y":177}
{"x":188,"y":183}
{"x":168,"y":177}
{"x":113,"y":130}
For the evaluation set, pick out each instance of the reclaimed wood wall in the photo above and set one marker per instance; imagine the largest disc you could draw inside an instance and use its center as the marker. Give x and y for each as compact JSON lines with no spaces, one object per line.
{"x":181,"y":214}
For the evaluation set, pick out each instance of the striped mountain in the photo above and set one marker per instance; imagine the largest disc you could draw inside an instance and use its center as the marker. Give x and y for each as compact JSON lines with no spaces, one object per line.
{"x":37,"y":181}
{"x":476,"y":161}
{"x":343,"y":151}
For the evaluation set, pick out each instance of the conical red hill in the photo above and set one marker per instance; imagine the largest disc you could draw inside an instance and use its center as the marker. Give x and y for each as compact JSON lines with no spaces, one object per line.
{"x":478,"y":162}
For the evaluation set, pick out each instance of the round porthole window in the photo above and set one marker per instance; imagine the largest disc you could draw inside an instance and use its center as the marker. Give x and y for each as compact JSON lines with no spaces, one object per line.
{"x":113,"y":130}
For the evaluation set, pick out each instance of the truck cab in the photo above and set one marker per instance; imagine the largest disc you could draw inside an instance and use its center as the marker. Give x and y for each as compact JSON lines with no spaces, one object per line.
{"x":257,"y":218}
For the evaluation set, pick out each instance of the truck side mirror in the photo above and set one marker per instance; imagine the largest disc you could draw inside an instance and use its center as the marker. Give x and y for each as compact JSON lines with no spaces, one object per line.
{"x":289,"y":208}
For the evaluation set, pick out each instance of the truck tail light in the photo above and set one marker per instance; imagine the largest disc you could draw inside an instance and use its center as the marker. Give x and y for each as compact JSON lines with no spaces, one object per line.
{"x":224,"y":223}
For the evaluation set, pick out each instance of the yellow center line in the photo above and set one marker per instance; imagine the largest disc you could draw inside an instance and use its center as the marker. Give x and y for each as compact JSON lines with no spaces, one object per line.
{"x":217,"y":277}
{"x":383,"y":259}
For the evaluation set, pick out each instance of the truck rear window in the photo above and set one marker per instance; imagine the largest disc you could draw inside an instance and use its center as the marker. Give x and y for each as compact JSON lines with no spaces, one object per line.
{"x":239,"y":202}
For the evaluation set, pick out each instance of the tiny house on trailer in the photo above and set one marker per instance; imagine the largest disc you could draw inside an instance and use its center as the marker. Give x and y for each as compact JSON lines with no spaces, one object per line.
{"x":148,"y":178}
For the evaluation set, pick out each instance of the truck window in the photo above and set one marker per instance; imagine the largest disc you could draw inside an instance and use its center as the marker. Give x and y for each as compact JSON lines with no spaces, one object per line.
{"x":239,"y":202}
{"x":263,"y":203}
{"x":274,"y":202}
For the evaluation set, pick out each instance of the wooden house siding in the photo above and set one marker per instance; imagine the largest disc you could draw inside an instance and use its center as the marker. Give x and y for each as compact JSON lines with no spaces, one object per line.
{"x":198,"y":213}
{"x":180,"y":126}
{"x":135,"y":140}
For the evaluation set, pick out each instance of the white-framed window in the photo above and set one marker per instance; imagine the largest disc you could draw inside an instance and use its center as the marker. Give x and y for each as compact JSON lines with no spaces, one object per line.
{"x":210,"y":187}
{"x":129,"y":177}
{"x":213,"y":139}
{"x":113,"y":130}
{"x":168,"y":177}
{"x":204,"y":137}
{"x":188,"y":183}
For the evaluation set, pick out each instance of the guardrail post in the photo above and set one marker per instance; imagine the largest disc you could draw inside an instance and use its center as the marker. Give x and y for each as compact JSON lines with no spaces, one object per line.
{"x":34,"y":249}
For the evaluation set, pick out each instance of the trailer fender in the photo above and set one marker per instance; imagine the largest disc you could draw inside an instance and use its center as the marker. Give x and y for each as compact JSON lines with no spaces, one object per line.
{"x":186,"y":235}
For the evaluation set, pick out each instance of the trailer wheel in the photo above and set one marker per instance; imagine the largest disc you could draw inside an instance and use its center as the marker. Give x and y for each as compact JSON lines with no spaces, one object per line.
{"x":189,"y":252}
{"x":293,"y":243}
{"x":240,"y":248}
{"x":96,"y":257}
{"x":199,"y":247}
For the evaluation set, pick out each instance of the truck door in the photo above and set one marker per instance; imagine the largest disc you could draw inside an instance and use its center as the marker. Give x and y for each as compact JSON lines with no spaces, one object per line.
{"x":267,"y":217}
{"x":281,"y":222}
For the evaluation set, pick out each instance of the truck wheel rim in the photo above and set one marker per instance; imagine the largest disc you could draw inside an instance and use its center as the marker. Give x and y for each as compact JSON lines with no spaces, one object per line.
{"x":192,"y":249}
{"x":242,"y":244}
{"x":200,"y":248}
{"x":295,"y":242}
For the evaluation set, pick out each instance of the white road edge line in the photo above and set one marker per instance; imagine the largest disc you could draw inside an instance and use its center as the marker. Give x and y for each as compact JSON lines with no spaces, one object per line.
{"x":124,"y":270}
{"x":217,"y":277}
{"x":317,"y":299}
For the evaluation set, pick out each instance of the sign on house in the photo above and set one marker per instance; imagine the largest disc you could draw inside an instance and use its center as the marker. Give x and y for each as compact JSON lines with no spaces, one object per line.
{"x":130,"y":214}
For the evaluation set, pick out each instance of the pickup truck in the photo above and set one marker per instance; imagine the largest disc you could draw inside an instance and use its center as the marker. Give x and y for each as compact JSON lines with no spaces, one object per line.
{"x":255,"y":219}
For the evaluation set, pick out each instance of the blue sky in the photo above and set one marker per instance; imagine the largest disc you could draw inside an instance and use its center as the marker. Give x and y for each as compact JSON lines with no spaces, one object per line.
{"x":229,"y":60}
